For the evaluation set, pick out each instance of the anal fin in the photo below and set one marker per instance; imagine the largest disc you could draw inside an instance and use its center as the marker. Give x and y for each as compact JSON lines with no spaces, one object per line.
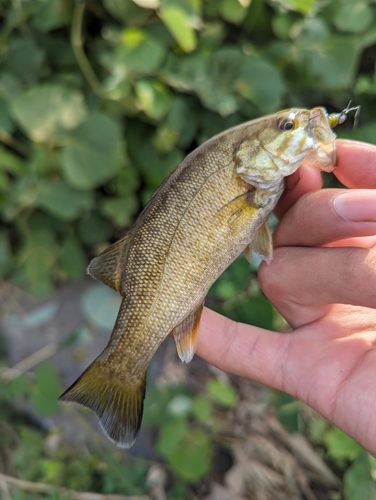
{"x":108,"y":266}
{"x":185,"y":335}
{"x":262,"y":245}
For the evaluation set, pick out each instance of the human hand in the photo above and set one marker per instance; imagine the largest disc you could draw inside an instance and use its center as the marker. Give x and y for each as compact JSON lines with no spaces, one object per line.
{"x":323,"y":281}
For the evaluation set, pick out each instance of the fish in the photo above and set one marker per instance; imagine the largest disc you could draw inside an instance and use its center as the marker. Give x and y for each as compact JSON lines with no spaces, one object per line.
{"x":209,"y":210}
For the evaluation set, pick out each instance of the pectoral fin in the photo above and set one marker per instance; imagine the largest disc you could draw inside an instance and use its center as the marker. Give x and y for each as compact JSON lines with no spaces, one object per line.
{"x":262,"y":245}
{"x":185,"y":335}
{"x":108,"y":266}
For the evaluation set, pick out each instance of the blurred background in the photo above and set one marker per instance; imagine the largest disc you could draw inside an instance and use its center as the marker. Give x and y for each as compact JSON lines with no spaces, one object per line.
{"x":99,"y":101}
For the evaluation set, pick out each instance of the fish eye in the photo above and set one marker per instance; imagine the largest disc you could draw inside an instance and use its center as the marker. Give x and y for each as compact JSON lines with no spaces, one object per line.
{"x":286,"y":124}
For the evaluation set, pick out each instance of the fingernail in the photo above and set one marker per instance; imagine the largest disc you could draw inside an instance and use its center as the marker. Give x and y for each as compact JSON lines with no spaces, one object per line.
{"x":356,"y":206}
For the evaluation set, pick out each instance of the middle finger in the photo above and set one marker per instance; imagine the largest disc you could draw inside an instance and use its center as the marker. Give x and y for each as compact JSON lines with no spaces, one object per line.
{"x":323,"y":217}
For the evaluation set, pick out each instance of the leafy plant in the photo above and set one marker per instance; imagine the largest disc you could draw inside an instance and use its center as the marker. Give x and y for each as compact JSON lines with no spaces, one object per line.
{"x":187,"y":425}
{"x":99,"y":101}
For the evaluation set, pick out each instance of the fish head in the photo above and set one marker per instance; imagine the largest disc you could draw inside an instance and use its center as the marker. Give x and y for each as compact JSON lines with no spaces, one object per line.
{"x":296,"y":135}
{"x":279,"y":143}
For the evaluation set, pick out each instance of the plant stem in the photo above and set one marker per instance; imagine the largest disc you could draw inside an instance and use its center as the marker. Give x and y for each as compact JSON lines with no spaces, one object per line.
{"x":47,"y":489}
{"x":30,"y":362}
{"x":77,"y":46}
{"x":10,"y":141}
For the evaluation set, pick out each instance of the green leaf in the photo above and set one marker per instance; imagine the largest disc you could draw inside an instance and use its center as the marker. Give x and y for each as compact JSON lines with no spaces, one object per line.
{"x":127,"y":181}
{"x":95,"y":153}
{"x":232,"y":11}
{"x":5,"y":121}
{"x":212,"y":34}
{"x":256,"y":311}
{"x":100,"y":305}
{"x":331,"y":63}
{"x":4,"y":184}
{"x":171,"y":435}
{"x":45,"y":110}
{"x":154,"y":98}
{"x":147,"y":4}
{"x":201,"y":408}
{"x":191,"y":460}
{"x":93,"y":229}
{"x":289,"y":416}
{"x":216,"y":88}
{"x":46,"y":389}
{"x":178,"y":22}
{"x":358,"y":483}
{"x":72,"y":258}
{"x":52,"y":470}
{"x":9,"y":162}
{"x":119,"y":210}
{"x":19,"y":386}
{"x":215,"y":78}
{"x":124,"y":477}
{"x":225,"y":289}
{"x":50,"y":15}
{"x":117,"y":85}
{"x":233,"y":280}
{"x":60,"y":50}
{"x":139,"y":52}
{"x":282,"y":24}
{"x":64,"y":202}
{"x":5,"y":252}
{"x":153,"y":165}
{"x":10,"y":86}
{"x":260,"y":82}
{"x":155,"y":407}
{"x":126,"y":11}
{"x":222,"y":392}
{"x":186,"y":73}
{"x":182,"y":120}
{"x":305,"y":7}
{"x":165,"y":139}
{"x":23,"y":196}
{"x":157,"y":402}
{"x":37,"y":259}
{"x":24,"y":59}
{"x":354,"y":16}
{"x":340,"y":445}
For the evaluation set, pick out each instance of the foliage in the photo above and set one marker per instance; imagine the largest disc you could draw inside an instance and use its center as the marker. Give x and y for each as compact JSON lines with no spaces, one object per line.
{"x":99,"y":101}
{"x":44,"y":458}
{"x":347,"y":456}
{"x":187,"y":444}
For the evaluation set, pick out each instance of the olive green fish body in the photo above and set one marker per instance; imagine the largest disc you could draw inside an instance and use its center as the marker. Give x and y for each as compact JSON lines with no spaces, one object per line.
{"x":211,"y":208}
{"x":200,"y":222}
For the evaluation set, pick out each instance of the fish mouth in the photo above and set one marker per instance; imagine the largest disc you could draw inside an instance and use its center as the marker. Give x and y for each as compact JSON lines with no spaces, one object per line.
{"x":324,"y":154}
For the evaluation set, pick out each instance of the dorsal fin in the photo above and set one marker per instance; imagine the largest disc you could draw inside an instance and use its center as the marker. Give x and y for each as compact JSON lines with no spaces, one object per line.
{"x":185,"y":335}
{"x":108,"y":266}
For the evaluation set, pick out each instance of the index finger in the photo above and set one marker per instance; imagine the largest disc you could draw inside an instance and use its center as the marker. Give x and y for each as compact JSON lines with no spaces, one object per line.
{"x":356,"y":164}
{"x":356,"y":168}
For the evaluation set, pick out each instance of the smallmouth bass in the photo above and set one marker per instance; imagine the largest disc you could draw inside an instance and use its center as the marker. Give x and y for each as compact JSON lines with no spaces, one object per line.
{"x":211,"y":208}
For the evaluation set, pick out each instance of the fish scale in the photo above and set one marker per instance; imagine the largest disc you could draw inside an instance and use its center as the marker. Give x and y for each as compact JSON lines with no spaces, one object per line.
{"x":211,"y":208}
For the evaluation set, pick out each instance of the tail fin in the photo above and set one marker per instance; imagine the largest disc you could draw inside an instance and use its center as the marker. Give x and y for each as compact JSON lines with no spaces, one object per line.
{"x":119,"y":406}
